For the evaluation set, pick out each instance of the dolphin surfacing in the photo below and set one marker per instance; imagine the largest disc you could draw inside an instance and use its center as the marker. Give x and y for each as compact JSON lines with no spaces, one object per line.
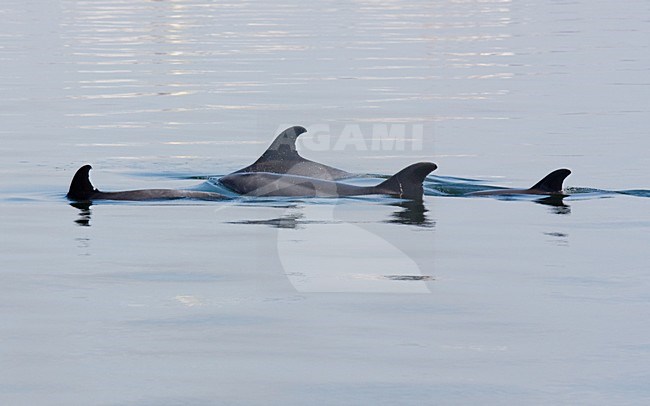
{"x":81,"y":189}
{"x":406,"y":184}
{"x":551,"y":184}
{"x":282,"y":157}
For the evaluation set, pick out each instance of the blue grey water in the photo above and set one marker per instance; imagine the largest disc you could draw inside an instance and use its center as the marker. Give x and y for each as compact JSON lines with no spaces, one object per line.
{"x":368,"y":300}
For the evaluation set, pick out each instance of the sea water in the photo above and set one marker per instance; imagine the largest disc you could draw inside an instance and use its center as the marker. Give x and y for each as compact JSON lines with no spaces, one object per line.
{"x":369,"y":300}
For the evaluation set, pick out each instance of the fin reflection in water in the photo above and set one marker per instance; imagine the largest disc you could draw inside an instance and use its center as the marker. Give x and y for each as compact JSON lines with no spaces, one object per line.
{"x":412,"y":213}
{"x":557,"y":204}
{"x":84,"y":213}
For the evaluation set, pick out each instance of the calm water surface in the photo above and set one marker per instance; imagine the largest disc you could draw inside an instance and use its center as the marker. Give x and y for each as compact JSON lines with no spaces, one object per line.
{"x":368,"y":300}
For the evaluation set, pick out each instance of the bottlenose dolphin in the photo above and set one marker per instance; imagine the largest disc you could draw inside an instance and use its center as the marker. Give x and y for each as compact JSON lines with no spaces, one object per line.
{"x":406,"y":183}
{"x":550,"y":185}
{"x":283,"y":158}
{"x":82,"y":190}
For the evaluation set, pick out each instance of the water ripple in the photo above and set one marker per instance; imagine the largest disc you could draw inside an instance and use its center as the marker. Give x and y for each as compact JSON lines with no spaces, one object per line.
{"x":131,"y":54}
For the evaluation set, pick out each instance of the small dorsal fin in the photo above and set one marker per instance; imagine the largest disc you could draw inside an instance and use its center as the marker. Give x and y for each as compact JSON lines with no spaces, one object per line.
{"x":407,"y":183}
{"x":80,"y":187}
{"x":552,"y":183}
{"x":283,"y":146}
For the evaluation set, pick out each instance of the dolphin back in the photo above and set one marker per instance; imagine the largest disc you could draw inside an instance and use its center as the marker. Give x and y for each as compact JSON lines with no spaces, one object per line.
{"x":81,"y":189}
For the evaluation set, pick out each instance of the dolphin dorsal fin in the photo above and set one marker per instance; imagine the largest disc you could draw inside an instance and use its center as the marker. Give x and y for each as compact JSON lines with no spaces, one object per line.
{"x":283,"y":158}
{"x":80,"y":187}
{"x":284,"y":145}
{"x":407,"y":183}
{"x":552,"y":183}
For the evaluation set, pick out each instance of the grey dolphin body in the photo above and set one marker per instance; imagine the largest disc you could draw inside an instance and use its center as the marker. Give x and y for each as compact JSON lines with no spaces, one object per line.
{"x":283,"y":158}
{"x":407,"y":184}
{"x":551,"y":184}
{"x":81,"y":189}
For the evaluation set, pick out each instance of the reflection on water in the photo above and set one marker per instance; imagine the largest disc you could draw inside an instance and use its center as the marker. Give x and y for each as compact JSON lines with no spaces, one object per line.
{"x":84,"y":213}
{"x":173,"y":64}
{"x":291,"y":221}
{"x":558,"y":238}
{"x":411,"y":213}
{"x":557,"y":204}
{"x":409,"y":277}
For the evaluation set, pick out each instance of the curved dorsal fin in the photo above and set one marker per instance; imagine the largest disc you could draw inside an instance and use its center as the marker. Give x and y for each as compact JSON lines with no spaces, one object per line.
{"x":283,"y":158}
{"x":407,"y":183}
{"x":80,"y":187}
{"x":552,"y":183}
{"x":283,"y":146}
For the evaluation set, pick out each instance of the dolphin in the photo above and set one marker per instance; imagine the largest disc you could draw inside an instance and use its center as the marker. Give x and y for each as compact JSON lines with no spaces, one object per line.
{"x":406,"y":184}
{"x":551,"y":184}
{"x":82,"y":190}
{"x":283,"y":158}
